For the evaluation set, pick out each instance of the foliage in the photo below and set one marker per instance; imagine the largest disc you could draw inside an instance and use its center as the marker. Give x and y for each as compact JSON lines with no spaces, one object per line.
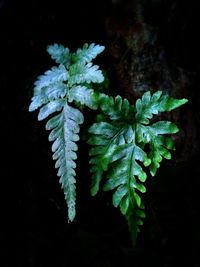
{"x":125,"y":144}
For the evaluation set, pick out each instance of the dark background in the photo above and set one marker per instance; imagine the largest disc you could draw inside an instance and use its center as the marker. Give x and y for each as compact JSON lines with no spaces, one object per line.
{"x":34,"y":231}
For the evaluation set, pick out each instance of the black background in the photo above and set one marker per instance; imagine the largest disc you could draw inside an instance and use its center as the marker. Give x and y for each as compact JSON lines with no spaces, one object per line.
{"x":34,"y":230}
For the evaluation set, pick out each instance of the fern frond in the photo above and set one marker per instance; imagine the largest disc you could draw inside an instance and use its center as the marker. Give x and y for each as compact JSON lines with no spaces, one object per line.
{"x":116,"y":153}
{"x":159,"y":145}
{"x":84,"y":73}
{"x":60,"y":54}
{"x":49,"y":87}
{"x":65,"y":129}
{"x":119,"y":142}
{"x":105,"y":137}
{"x":83,"y":95}
{"x":125,"y":169}
{"x":67,"y":83}
{"x":50,"y":108}
{"x":64,"y":132}
{"x":47,"y":94}
{"x":56,"y":74}
{"x":116,"y":108}
{"x":152,"y":105}
{"x":135,"y":217}
{"x":38,"y":100}
{"x":87,"y":53}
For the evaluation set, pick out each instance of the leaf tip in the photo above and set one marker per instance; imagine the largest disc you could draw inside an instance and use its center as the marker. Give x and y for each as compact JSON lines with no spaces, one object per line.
{"x":147,"y":162}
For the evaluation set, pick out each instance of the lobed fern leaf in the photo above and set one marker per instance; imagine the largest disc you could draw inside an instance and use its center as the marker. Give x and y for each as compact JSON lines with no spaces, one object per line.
{"x":135,"y":217}
{"x":152,"y":105}
{"x":101,"y":152}
{"x":84,"y":73}
{"x":83,"y":95}
{"x":87,"y":53}
{"x":60,"y":54}
{"x":52,"y":93}
{"x":49,"y":86}
{"x":56,"y":74}
{"x":119,"y":144}
{"x":115,"y":108}
{"x":159,"y":145}
{"x":116,"y":153}
{"x":50,"y":108}
{"x":64,"y":132}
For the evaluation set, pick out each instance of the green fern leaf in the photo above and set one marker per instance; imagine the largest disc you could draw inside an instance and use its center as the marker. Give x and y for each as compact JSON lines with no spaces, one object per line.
{"x":159,"y":145}
{"x":87,"y":53}
{"x":115,"y":154}
{"x":116,"y":108}
{"x":152,"y":105}
{"x":126,"y":169}
{"x":104,"y":136}
{"x":60,"y":54}
{"x":163,"y":127}
{"x":64,"y":132}
{"x":135,"y":217}
{"x":119,"y":142}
